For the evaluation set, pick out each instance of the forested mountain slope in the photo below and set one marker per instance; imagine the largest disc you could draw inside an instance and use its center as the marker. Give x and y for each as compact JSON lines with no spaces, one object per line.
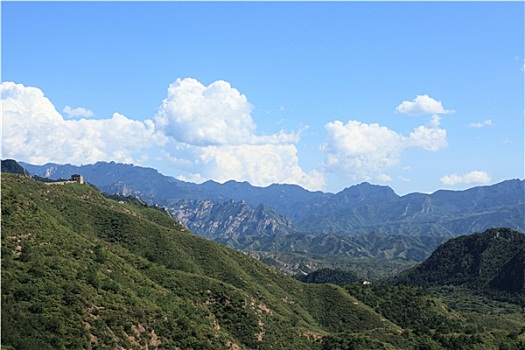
{"x":80,"y":270}
{"x":491,"y":261}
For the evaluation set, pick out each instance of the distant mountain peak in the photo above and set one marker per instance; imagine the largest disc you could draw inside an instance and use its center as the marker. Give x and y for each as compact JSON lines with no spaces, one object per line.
{"x":366,"y":192}
{"x":358,"y":209}
{"x":368,"y":186}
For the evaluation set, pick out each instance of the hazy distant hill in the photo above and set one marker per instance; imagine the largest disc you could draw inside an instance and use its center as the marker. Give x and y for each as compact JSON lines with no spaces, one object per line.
{"x":291,"y":215}
{"x":152,"y":186}
{"x":124,"y":179}
{"x":443,"y":213}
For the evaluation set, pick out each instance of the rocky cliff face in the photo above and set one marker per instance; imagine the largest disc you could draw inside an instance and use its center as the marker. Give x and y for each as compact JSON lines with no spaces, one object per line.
{"x":230,"y":219}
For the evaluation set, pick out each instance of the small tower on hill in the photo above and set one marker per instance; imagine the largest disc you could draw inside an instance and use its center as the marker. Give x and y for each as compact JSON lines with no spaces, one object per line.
{"x":78,"y":178}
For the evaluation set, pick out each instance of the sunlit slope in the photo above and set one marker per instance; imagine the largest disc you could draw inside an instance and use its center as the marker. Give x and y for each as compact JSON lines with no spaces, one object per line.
{"x":82,"y":271}
{"x":492,"y":260}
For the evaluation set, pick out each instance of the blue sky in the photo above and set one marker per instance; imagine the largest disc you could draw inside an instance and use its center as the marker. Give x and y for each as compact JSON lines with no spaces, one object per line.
{"x":414,"y":95}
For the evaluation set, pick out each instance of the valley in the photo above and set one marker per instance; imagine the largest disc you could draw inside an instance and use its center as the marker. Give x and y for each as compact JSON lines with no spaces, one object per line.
{"x":83,"y":269}
{"x":262,"y":175}
{"x":80,"y":270}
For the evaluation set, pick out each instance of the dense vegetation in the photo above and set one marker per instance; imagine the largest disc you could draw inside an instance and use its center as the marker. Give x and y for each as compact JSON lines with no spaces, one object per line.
{"x":81,"y":271}
{"x":336,"y":276}
{"x":293,"y":264}
{"x":372,"y":245}
{"x":12,"y":166}
{"x":437,"y":326}
{"x":489,"y":263}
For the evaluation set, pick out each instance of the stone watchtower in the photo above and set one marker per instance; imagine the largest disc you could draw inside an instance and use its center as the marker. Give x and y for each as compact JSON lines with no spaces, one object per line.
{"x":78,"y":178}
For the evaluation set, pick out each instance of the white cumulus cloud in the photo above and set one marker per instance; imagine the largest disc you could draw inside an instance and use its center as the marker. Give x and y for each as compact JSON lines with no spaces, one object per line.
{"x":77,"y":112}
{"x":359,"y":150}
{"x":212,"y":136}
{"x":429,"y":139}
{"x":473,"y":177}
{"x":206,"y":115}
{"x":362,"y":151}
{"x":422,"y":104}
{"x":35,"y":132}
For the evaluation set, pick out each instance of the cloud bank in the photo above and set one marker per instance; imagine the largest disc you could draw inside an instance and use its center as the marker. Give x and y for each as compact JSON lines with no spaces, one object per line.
{"x":361,"y":151}
{"x":207,"y":132}
{"x":34,"y":131}
{"x":473,"y":177}
{"x":364,"y":151}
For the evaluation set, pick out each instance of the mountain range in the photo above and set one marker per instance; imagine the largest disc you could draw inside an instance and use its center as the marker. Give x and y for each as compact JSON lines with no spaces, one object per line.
{"x":83,"y":271}
{"x":289,"y":218}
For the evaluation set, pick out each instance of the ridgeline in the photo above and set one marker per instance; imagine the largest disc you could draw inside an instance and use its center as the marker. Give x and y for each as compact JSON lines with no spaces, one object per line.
{"x":82,"y":271}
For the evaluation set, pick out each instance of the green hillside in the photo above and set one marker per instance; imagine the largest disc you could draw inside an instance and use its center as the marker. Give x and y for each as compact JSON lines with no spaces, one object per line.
{"x":479,"y":275}
{"x":488,"y":261}
{"x":12,"y":166}
{"x":335,"y":276}
{"x":81,"y":271}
